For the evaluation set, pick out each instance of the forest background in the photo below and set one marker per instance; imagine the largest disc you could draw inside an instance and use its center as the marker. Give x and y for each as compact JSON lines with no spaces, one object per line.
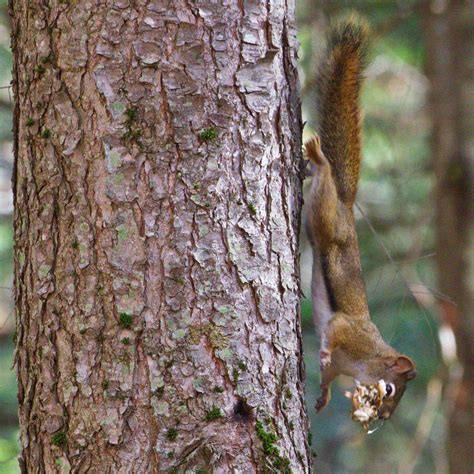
{"x":397,"y":247}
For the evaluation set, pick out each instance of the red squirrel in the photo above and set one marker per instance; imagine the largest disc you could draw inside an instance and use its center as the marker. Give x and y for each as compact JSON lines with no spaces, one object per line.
{"x":350,"y":343}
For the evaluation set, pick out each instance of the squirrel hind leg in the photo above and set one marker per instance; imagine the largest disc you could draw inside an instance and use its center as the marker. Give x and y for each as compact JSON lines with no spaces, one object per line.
{"x":314,"y":153}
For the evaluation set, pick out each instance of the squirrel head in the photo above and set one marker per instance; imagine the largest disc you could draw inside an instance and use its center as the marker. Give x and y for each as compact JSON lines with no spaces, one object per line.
{"x":398,"y":370}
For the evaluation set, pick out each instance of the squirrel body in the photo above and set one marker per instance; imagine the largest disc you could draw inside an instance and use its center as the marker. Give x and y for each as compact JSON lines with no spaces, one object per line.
{"x":350,"y":343}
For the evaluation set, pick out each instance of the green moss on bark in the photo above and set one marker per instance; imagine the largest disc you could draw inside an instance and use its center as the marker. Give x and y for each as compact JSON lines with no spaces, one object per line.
{"x":273,"y":458}
{"x":59,"y":438}
{"x":213,"y":414}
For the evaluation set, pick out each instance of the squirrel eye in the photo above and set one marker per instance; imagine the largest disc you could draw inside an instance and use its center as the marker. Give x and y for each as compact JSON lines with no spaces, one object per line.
{"x":390,"y":390}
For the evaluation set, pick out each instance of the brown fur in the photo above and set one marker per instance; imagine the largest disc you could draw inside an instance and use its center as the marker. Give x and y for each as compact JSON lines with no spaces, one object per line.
{"x":350,"y":343}
{"x":340,"y":77}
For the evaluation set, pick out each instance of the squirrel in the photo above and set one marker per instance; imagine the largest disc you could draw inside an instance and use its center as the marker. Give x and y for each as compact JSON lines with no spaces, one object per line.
{"x":350,"y":342}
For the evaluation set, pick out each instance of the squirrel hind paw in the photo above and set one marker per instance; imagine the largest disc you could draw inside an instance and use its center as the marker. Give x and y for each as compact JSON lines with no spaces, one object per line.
{"x":313,"y":151}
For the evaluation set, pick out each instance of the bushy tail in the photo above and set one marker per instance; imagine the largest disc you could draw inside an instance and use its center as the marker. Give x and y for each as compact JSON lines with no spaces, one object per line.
{"x":340,"y":78}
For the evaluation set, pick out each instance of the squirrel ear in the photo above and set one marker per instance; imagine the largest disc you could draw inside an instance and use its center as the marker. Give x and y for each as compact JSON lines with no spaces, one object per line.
{"x":404,"y":365}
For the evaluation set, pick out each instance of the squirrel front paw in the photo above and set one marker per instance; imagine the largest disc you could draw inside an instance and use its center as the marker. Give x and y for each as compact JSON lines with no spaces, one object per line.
{"x":323,"y":400}
{"x":324,"y":359}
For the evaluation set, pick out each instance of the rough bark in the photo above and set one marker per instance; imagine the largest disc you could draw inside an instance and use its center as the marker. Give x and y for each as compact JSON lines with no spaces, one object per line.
{"x":157,"y":195}
{"x":450,"y":43}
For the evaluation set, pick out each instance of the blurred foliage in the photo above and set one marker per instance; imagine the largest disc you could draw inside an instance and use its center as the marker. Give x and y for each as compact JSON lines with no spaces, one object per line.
{"x":394,"y":193}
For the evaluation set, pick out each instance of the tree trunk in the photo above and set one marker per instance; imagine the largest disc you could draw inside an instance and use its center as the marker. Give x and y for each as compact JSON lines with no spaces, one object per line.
{"x":450,"y":42}
{"x":157,"y":195}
